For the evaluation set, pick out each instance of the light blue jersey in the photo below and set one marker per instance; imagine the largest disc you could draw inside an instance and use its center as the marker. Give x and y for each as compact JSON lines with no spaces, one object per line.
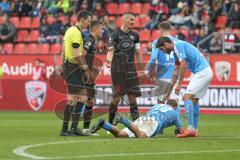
{"x":166,"y":116}
{"x":165,"y":62}
{"x":194,"y":58}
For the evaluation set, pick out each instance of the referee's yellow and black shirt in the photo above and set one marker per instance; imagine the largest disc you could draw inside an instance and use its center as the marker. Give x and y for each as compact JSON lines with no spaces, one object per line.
{"x":72,"y":35}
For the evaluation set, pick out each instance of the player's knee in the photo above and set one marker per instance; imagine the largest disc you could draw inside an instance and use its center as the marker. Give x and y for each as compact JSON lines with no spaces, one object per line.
{"x":132,"y":99}
{"x":142,"y":135}
{"x":195,"y":101}
{"x":187,"y":97}
{"x":116,"y":100}
{"x":90,"y":102}
{"x":72,"y":100}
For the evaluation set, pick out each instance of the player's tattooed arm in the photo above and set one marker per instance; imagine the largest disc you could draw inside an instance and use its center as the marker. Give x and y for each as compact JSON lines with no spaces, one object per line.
{"x":182,"y":73}
{"x":173,"y":81}
{"x":139,"y":59}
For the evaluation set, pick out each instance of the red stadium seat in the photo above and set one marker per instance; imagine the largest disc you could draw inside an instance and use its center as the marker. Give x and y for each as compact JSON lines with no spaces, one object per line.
{"x":112,"y":8}
{"x":20,"y":48}
{"x":43,"y":48}
{"x":35,"y":22}
{"x":155,"y":35}
{"x":22,"y":36}
{"x":119,"y":22}
{"x":123,"y":7}
{"x":145,"y":35}
{"x":34,"y":36}
{"x":112,"y":18}
{"x":146,"y":8}
{"x":32,"y":48}
{"x":137,"y":22}
{"x":136,"y":8}
{"x":144,"y":21}
{"x":221,"y":21}
{"x":56,"y":48}
{"x":8,"y":47}
{"x":15,"y":21}
{"x":25,"y":23}
{"x":73,"y":19}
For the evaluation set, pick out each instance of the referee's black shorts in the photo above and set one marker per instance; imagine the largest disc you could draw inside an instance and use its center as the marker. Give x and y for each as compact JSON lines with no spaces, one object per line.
{"x":125,"y":83}
{"x":74,"y":77}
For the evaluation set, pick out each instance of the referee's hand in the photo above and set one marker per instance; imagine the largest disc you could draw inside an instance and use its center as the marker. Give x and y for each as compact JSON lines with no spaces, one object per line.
{"x":89,"y":76}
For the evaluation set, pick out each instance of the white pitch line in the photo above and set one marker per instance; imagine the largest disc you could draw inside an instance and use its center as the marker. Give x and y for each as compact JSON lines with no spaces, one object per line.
{"x":21,"y":151}
{"x":143,"y":154}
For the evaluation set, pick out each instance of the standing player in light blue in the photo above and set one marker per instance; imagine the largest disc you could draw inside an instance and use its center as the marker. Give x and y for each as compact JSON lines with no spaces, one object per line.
{"x":165,"y":65}
{"x":153,"y":123}
{"x":187,"y":55}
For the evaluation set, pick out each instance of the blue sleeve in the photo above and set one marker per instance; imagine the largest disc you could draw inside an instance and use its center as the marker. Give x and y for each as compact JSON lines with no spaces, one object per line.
{"x":180,"y":51}
{"x":178,"y":122}
{"x":153,"y":58}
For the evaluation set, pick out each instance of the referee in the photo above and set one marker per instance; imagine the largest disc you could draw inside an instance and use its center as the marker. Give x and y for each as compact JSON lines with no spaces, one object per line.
{"x":89,"y":49}
{"x":75,"y":72}
{"x":124,"y":44}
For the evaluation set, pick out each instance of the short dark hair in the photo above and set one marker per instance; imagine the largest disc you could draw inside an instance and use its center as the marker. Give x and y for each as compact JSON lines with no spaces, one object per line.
{"x":172,"y":103}
{"x":129,"y":13}
{"x":162,"y":40}
{"x":95,"y":24}
{"x":83,"y":14}
{"x":165,"y":25}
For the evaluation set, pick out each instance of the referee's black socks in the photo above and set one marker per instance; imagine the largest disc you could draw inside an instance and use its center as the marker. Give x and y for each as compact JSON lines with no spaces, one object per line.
{"x":112,"y":112}
{"x":134,"y":111}
{"x":87,"y":116}
{"x":76,"y":115}
{"x":66,"y":117}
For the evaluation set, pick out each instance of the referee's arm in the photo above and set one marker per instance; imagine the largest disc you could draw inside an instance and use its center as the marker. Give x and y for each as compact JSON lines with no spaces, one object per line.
{"x":63,"y":53}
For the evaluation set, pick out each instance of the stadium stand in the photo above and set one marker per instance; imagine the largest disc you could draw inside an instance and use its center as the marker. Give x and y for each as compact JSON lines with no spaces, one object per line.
{"x":201,"y":19}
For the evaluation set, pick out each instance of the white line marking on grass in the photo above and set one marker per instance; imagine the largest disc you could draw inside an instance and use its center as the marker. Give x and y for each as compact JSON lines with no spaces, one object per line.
{"x":21,"y":151}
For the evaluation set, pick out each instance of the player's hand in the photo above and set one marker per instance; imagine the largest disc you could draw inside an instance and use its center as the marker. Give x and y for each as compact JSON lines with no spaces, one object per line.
{"x":142,"y":77}
{"x":107,"y":64}
{"x":96,"y":72}
{"x":89,"y":76}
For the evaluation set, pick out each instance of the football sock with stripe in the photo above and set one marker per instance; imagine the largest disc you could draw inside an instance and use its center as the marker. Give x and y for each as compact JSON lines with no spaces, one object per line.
{"x":87,"y":116}
{"x":67,"y":116}
{"x":134,"y":111}
{"x":107,"y":126}
{"x":112,"y":112}
{"x":188,"y":104}
{"x":76,"y":114}
{"x":196,"y":116}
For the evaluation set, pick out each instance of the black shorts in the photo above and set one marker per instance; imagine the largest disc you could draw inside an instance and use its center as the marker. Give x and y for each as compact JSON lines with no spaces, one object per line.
{"x":74,"y":77}
{"x":90,"y":88}
{"x":125,"y":83}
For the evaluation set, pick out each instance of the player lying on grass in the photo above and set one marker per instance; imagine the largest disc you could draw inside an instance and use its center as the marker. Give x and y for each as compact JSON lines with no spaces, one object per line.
{"x":159,"y":117}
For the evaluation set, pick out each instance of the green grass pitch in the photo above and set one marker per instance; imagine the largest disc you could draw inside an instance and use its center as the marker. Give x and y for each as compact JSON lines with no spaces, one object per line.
{"x":219,"y":140}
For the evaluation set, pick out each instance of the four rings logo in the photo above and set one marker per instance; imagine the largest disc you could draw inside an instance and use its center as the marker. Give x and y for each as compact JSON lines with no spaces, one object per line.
{"x":223,"y":69}
{"x":35,"y":93}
